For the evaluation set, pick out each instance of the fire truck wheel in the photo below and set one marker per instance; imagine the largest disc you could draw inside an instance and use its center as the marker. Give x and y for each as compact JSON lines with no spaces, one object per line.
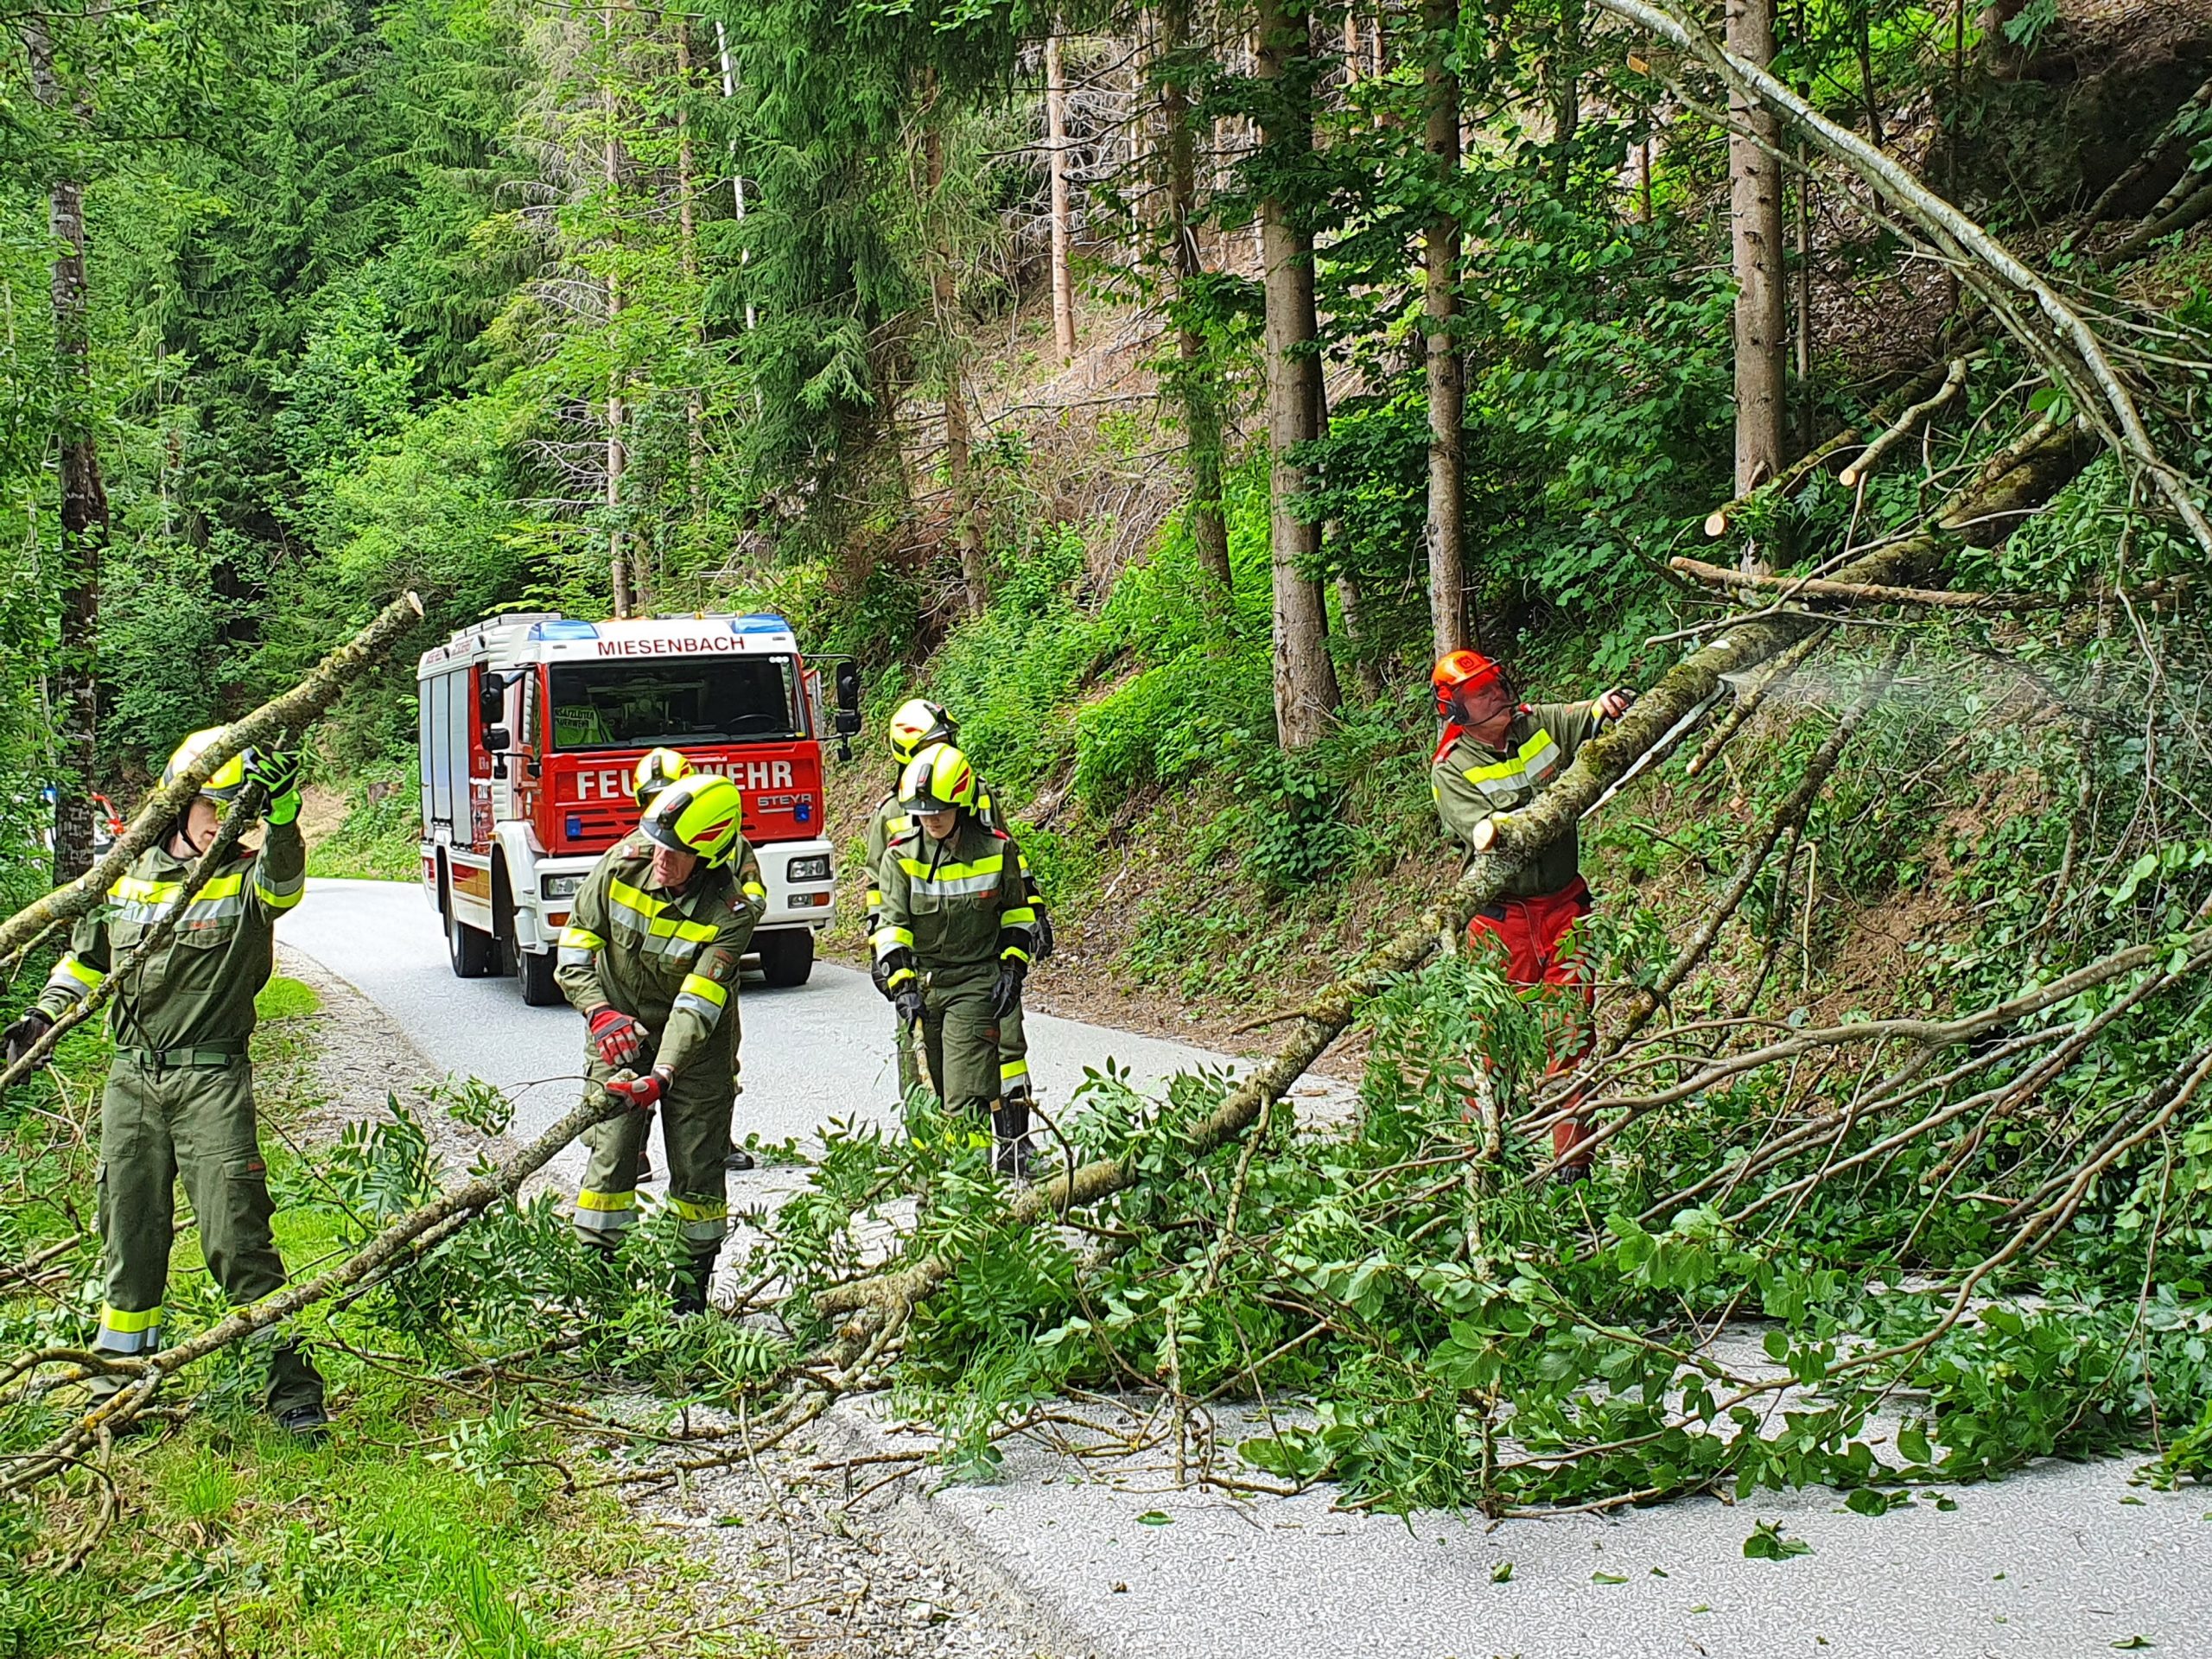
{"x":787,"y":958}
{"x":535,"y":970}
{"x":471,"y":949}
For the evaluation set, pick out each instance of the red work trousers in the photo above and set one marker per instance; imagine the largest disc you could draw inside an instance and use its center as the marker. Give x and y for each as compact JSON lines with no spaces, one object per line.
{"x":1537,"y":935}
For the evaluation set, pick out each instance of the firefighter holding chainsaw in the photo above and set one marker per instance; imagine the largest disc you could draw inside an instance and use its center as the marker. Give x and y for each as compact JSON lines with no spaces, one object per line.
{"x":649,"y":957}
{"x":1495,"y":755}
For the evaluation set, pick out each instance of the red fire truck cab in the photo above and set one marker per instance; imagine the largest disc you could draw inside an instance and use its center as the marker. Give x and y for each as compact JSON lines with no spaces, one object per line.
{"x":530,"y":726}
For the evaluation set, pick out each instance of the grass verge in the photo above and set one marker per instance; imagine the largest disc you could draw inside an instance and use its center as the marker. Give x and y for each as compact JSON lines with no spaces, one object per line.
{"x":435,"y":1521}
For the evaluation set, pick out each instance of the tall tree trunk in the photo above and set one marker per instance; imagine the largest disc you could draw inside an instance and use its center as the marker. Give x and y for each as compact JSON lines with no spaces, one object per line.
{"x":1197,"y":376}
{"x":1761,"y":327}
{"x":1449,"y":625}
{"x":1056,"y":130}
{"x":1567,"y":115}
{"x":687,"y":228}
{"x":944,"y":296}
{"x":75,"y":679}
{"x":1304,"y":679}
{"x":621,"y":569}
{"x":736,"y":172}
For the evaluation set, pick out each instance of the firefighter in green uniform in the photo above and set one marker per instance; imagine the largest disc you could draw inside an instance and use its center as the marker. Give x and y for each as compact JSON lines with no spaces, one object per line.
{"x":180,"y":1094}
{"x":650,"y":958}
{"x":954,"y":940}
{"x":916,"y":724}
{"x":655,"y":771}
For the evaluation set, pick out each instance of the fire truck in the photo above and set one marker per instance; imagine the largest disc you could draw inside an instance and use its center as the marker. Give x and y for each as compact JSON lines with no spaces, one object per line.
{"x":530,"y":726}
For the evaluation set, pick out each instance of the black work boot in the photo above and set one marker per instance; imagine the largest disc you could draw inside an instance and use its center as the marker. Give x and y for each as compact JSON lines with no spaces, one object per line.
{"x":738,"y":1159}
{"x":1010,"y":1126}
{"x":691,"y":1282}
{"x":295,"y":1394}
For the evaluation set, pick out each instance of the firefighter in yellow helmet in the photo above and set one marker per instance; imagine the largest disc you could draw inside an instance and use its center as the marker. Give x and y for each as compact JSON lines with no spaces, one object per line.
{"x":954,"y":940}
{"x":916,"y":724}
{"x":650,"y":958}
{"x":179,"y":1100}
{"x":655,"y":771}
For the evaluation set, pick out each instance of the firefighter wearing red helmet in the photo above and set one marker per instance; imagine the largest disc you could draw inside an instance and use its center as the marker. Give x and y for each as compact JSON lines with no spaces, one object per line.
{"x":1496,"y":752}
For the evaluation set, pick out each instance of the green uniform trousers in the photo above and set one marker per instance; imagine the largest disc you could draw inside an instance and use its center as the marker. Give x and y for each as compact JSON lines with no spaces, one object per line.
{"x":961,"y":1036}
{"x":1014,"y":1054}
{"x":694,"y":1137}
{"x":187,"y":1112}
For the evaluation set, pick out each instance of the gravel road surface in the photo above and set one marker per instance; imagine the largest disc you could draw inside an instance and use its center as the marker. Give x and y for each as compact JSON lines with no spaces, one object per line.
{"x":2060,"y":1562}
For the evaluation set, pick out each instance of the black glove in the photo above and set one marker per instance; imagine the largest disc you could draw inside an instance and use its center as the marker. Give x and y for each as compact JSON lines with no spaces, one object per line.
{"x":892,"y":962}
{"x":1043,"y":934}
{"x":1007,"y":994}
{"x":907,"y":1002}
{"x":21,"y":1037}
{"x":278,"y":774}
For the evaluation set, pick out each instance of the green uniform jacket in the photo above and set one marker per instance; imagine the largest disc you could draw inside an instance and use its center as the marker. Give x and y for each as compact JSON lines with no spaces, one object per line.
{"x":198,"y":988}
{"x":890,"y":820}
{"x":669,"y":960}
{"x":955,"y":903}
{"x":1472,"y":781}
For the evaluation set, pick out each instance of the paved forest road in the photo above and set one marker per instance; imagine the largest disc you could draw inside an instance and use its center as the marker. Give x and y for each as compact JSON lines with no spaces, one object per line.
{"x":2060,"y":1562}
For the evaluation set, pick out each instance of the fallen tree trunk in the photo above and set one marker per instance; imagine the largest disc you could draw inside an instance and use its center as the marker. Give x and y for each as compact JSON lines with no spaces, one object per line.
{"x":293,"y":712}
{"x":2019,"y":479}
{"x":1861,"y":592}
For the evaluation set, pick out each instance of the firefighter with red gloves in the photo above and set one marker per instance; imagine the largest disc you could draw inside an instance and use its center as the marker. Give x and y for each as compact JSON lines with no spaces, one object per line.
{"x":649,"y":957}
{"x":1497,"y":753}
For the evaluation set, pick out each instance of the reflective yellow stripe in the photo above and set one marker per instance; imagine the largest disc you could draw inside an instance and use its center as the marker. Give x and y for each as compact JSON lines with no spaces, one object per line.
{"x":1020,"y":916}
{"x":691,"y":1210}
{"x":649,"y":911}
{"x":76,"y":977}
{"x":900,"y":978}
{"x":281,"y":897}
{"x":1531,"y":753}
{"x":1014,"y":1071}
{"x":700,"y":985}
{"x":581,"y":938}
{"x":116,"y":1320}
{"x":888,"y":940}
{"x":1012,"y":952}
{"x":587,"y":1199}
{"x":916,"y":867}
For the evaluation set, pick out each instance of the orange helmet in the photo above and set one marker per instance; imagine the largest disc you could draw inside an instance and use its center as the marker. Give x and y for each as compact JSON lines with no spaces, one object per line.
{"x":1458,"y":674}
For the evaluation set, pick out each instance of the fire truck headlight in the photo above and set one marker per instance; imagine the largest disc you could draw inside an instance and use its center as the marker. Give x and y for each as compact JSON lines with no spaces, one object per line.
{"x":814,"y":867}
{"x":562,"y":886}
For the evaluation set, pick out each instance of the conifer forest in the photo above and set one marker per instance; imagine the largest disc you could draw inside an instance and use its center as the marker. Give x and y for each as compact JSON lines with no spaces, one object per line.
{"x":1165,"y":388}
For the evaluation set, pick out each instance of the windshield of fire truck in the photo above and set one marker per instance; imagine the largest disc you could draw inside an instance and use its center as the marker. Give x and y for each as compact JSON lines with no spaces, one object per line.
{"x":677,"y":702}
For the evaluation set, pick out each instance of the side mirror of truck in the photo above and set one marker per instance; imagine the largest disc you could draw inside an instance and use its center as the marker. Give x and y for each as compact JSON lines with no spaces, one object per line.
{"x":490,"y":702}
{"x":496,"y":739}
{"x":849,"y":699}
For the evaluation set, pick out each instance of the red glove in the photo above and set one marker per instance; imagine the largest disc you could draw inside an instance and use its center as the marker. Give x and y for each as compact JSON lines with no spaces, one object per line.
{"x":619,"y":1039}
{"x":643,"y":1093}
